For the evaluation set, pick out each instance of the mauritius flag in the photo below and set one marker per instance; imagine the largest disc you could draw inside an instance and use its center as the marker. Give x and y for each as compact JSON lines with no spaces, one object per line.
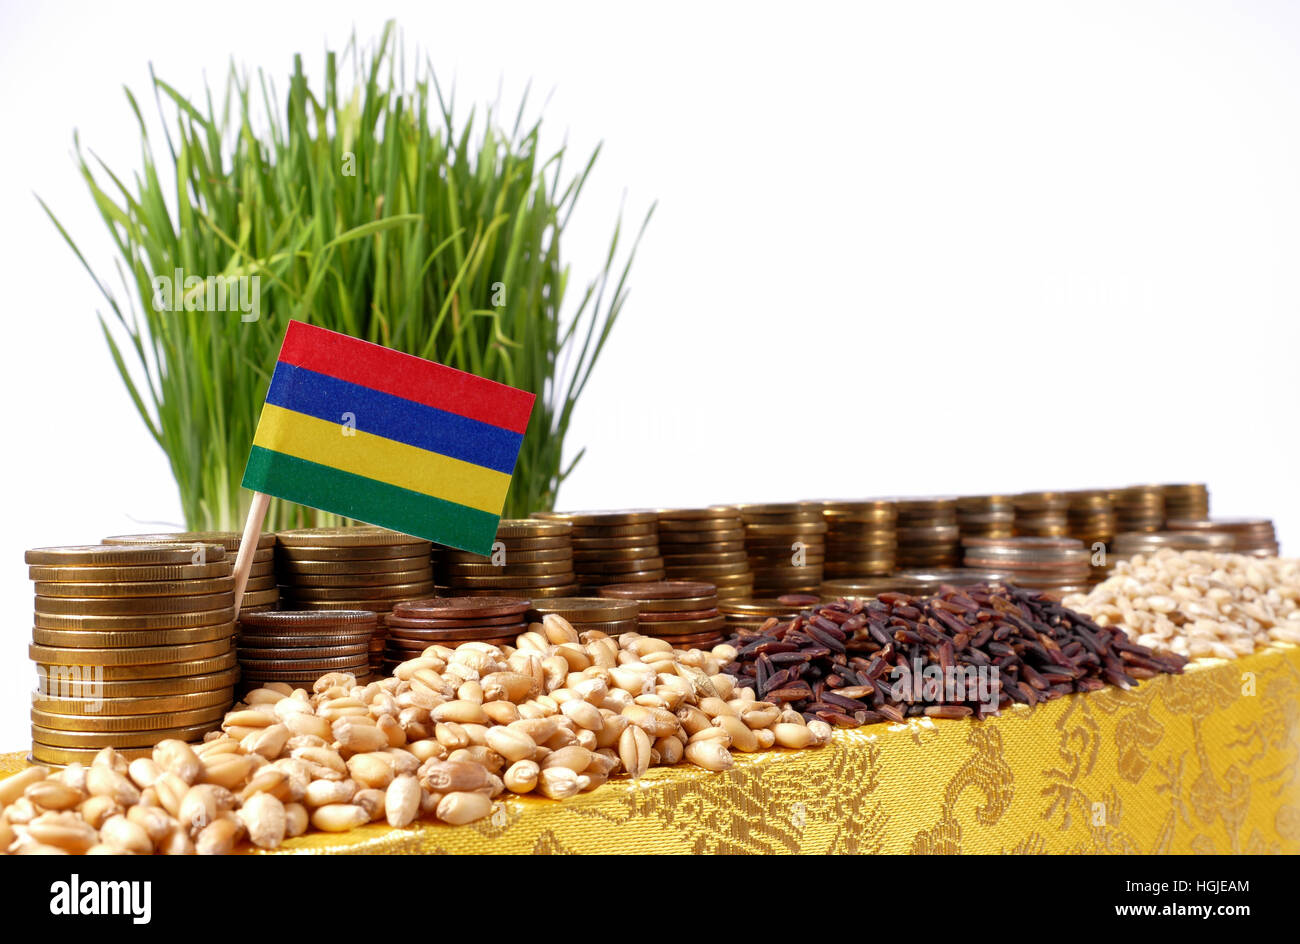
{"x":386,"y":438}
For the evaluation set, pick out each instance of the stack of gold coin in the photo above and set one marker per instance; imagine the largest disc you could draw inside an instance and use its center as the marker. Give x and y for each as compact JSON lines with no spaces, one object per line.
{"x":986,"y":516}
{"x":914,"y":582}
{"x":1253,"y":536}
{"x":1042,"y":514}
{"x":707,"y":544}
{"x":1129,"y":543}
{"x":359,"y":568}
{"x":588,"y":614}
{"x":296,"y":647}
{"x":1140,"y":508}
{"x":415,"y":625}
{"x":786,"y":546}
{"x":260,"y":593}
{"x":683,"y":612}
{"x":132,"y":644}
{"x":861,"y":537}
{"x":749,"y":616}
{"x":1187,"y":501}
{"x":1092,"y":521}
{"x":612,"y":546}
{"x":1051,"y":565}
{"x":928,"y":535}
{"x":532,"y":557}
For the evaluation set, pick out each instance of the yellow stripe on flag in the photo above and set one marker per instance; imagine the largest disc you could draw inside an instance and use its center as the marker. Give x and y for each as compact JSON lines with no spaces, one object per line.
{"x":384,"y":460}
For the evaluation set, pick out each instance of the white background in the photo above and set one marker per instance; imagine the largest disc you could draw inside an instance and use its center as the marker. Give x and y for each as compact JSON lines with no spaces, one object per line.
{"x":900,"y":248}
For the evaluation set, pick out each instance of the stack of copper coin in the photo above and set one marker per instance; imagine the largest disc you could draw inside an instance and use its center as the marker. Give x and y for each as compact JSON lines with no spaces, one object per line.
{"x":296,"y":647}
{"x":415,"y":625}
{"x":1187,"y":501}
{"x":1042,"y":514}
{"x":612,"y":546}
{"x":132,"y":644}
{"x":260,"y":593}
{"x":532,"y":557}
{"x":587,"y":614}
{"x":986,"y":516}
{"x":1253,"y":536}
{"x":1052,"y":565}
{"x":786,"y":546}
{"x":861,"y":537}
{"x":684,"y":612}
{"x":750,"y":615}
{"x":1139,"y":508}
{"x":1130,"y":543}
{"x":707,"y":544}
{"x":928,"y":535}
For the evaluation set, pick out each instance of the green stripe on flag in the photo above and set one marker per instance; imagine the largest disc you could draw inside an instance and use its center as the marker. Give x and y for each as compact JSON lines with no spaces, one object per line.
{"x":378,"y":503}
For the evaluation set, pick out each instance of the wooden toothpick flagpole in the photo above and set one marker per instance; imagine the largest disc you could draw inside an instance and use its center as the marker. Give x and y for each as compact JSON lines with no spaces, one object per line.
{"x":248,"y":544}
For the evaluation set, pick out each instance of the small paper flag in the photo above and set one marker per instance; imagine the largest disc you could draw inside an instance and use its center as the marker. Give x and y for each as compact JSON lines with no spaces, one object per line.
{"x":387,"y":438}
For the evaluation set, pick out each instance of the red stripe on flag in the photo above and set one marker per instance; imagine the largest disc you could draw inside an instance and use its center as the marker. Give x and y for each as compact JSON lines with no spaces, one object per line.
{"x":407,"y":376}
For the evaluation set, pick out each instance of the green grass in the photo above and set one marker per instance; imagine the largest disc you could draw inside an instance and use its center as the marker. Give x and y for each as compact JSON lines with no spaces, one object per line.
{"x":444,"y":242}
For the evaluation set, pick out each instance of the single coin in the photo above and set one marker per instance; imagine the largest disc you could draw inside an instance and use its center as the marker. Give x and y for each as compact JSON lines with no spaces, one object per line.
{"x":686,"y":560}
{"x":395,"y":591}
{"x":410,"y":637}
{"x":374,"y":606}
{"x":616,"y":553}
{"x":63,"y":756}
{"x":580,"y":545}
{"x":229,"y":540}
{"x":136,"y":722}
{"x":57,"y":682}
{"x":126,"y":555}
{"x":509,"y":529}
{"x":619,"y":566}
{"x":510,"y":570}
{"x":422,"y":574}
{"x":648,"y":533}
{"x":662,"y":590}
{"x":509,"y":583}
{"x":630,"y":576}
{"x":258,"y":598}
{"x":773,"y":508}
{"x":115,"y":707}
{"x":585,"y":609}
{"x":107,"y":639}
{"x":158,"y":670}
{"x":128,"y":655}
{"x":132,"y":606}
{"x":463,"y":608}
{"x":253,"y":656}
{"x":678,"y":605}
{"x":704,"y":549}
{"x":708,"y":571}
{"x":296,"y":570}
{"x":358,"y":536}
{"x":295,"y":622}
{"x":289,"y":556}
{"x":310,"y":671}
{"x":707,"y":613}
{"x":540,"y":593}
{"x":694,"y":514}
{"x":260,"y":583}
{"x":708,"y":538}
{"x":510,"y":556}
{"x":135,"y":623}
{"x":116,"y":739}
{"x":711,"y":624}
{"x":631,"y":516}
{"x":301,"y":640}
{"x":396,"y":621}
{"x":144,"y":573}
{"x":699,"y":524}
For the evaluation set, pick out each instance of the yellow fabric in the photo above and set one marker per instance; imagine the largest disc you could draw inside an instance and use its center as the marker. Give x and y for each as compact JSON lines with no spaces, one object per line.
{"x":1180,"y":764}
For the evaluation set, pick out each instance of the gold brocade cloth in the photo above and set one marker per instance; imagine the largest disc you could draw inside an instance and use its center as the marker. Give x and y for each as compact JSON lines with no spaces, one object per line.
{"x":1206,"y":762}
